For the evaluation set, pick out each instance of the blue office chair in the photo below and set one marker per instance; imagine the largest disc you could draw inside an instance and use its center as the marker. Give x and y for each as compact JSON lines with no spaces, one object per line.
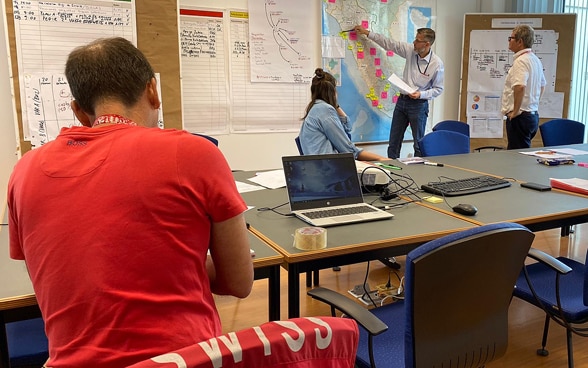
{"x":558,"y":132}
{"x":444,"y":142}
{"x":212,"y":139}
{"x":454,"y":126}
{"x":559,"y":286}
{"x":444,"y":321}
{"x":27,"y":343}
{"x":297,"y":140}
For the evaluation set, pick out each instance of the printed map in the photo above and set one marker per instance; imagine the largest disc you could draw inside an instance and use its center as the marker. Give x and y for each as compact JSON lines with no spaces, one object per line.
{"x":365,"y":94}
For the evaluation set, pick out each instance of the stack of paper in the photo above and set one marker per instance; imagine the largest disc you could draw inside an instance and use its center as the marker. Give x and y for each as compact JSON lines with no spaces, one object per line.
{"x":573,"y":185}
{"x":411,"y":160}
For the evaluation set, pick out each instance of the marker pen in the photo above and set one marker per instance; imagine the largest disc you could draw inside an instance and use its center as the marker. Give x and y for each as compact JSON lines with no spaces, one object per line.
{"x":433,"y":164}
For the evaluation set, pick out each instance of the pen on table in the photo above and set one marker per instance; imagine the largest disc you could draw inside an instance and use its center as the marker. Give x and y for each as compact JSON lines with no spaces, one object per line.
{"x":433,"y":163}
{"x":391,"y":167}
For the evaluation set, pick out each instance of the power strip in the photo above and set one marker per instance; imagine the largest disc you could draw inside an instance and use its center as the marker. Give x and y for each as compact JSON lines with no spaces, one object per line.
{"x":358,"y":290}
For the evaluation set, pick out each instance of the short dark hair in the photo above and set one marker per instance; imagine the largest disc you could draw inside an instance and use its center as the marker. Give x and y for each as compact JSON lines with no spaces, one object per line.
{"x":526,"y":33}
{"x":107,"y":68}
{"x":322,"y":87}
{"x":428,"y":34}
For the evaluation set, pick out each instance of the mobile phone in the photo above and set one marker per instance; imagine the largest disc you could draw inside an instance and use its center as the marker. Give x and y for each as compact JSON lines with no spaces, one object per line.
{"x":536,"y":186}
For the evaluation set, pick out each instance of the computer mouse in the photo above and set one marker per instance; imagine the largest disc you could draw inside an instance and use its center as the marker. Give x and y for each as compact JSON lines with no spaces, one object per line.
{"x":465,"y":209}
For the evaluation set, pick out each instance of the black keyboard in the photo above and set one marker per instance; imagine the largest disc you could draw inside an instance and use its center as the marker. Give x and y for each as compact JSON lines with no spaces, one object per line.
{"x":338,"y":212}
{"x":459,"y":187}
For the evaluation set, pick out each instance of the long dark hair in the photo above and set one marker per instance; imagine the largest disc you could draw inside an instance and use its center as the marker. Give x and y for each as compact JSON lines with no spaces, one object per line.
{"x":323,"y":87}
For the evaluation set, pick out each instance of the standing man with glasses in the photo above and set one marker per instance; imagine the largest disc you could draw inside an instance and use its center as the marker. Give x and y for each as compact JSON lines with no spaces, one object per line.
{"x":424,"y":72}
{"x":524,"y":85}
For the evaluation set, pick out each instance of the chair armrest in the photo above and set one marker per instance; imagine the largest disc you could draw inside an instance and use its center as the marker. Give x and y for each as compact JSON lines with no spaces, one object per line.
{"x":548,"y":260}
{"x":361,"y":315}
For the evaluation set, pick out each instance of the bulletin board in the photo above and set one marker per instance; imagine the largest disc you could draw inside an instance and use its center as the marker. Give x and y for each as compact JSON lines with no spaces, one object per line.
{"x":564,"y":24}
{"x":157,"y":38}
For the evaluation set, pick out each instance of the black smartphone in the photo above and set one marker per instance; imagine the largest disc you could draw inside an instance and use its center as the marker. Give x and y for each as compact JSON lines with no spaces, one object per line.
{"x":536,"y":186}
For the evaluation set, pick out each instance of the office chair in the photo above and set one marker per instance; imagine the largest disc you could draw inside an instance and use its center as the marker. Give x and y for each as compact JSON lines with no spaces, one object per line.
{"x":27,"y":343}
{"x":213,"y":140}
{"x":444,"y":142}
{"x":455,"y":307}
{"x":298,"y":342}
{"x":454,"y":126}
{"x":559,"y":286}
{"x":297,"y":140}
{"x":558,"y":132}
{"x":463,"y":128}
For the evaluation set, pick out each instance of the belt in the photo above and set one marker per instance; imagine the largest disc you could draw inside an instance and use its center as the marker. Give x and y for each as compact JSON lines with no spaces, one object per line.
{"x":529,"y":112}
{"x":407,"y":97}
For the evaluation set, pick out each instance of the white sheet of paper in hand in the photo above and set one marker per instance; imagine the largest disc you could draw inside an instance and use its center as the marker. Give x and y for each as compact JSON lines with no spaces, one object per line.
{"x":405,"y":88}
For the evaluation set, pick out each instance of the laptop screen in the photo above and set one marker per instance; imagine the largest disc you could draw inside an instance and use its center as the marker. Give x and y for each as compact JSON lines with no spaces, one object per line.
{"x":315,"y":181}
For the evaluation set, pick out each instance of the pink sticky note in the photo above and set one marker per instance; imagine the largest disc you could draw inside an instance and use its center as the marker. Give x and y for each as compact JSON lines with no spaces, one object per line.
{"x":334,"y":1}
{"x":353,"y":36}
{"x":378,"y":72}
{"x":384,"y":95}
{"x":372,"y":51}
{"x":390,"y":53}
{"x":377,"y":61}
{"x":375,"y":103}
{"x":384,"y":1}
{"x":365,"y":24}
{"x":360,"y":54}
{"x":395,"y":98}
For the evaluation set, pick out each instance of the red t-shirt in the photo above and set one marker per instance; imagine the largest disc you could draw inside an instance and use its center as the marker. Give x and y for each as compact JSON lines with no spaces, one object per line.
{"x":114,"y":224}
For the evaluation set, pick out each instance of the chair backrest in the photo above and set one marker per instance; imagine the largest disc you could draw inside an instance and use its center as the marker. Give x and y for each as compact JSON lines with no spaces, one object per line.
{"x":457,"y":293}
{"x":297,"y":140}
{"x":27,"y":343}
{"x":298,"y":342}
{"x":558,"y":132}
{"x":444,"y":142}
{"x":213,"y":140}
{"x":454,"y":126}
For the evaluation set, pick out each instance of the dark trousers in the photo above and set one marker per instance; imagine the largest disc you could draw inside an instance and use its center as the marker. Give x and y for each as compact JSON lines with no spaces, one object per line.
{"x":521,"y":129}
{"x":407,"y":111}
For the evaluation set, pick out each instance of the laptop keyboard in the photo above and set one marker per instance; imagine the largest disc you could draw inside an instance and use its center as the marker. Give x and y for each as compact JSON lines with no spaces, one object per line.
{"x":332,"y":212}
{"x":459,"y":187}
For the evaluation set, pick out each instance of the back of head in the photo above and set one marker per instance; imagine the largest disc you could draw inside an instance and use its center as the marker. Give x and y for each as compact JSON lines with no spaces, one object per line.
{"x":322,"y":87}
{"x":526,"y":33}
{"x":107,"y":69}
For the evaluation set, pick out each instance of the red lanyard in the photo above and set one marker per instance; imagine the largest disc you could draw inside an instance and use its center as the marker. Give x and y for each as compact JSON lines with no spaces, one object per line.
{"x":112,"y":119}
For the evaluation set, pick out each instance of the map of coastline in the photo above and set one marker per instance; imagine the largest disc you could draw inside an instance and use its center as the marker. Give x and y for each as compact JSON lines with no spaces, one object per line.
{"x":365,"y":93}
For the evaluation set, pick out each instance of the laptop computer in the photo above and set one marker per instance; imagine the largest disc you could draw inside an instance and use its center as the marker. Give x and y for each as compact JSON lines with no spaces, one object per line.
{"x":324,"y":190}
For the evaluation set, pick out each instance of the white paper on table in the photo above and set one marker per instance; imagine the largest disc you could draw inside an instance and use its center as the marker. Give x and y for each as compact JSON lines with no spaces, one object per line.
{"x":270,"y":179}
{"x":550,"y":154}
{"x":571,"y":151}
{"x":395,"y":80}
{"x":244,"y":187}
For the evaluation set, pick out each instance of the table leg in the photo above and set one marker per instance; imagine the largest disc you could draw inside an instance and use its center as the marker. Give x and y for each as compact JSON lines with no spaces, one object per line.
{"x":274,"y":293}
{"x":293,"y":291}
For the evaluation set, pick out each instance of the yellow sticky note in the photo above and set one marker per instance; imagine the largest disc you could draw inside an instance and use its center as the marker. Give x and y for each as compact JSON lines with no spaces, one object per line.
{"x":433,"y":199}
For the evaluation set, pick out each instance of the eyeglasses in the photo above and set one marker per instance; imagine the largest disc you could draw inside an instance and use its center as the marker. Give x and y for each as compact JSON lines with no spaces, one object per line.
{"x":417,"y":40}
{"x":511,"y":38}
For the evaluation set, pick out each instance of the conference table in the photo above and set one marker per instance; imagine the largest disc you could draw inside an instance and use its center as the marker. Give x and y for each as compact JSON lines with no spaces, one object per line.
{"x":18,"y":302}
{"x":416,"y":223}
{"x":534,"y":209}
{"x":411,"y":226}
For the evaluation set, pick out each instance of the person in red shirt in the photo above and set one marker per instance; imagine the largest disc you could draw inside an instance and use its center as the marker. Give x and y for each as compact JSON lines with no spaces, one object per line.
{"x":115,"y":218}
